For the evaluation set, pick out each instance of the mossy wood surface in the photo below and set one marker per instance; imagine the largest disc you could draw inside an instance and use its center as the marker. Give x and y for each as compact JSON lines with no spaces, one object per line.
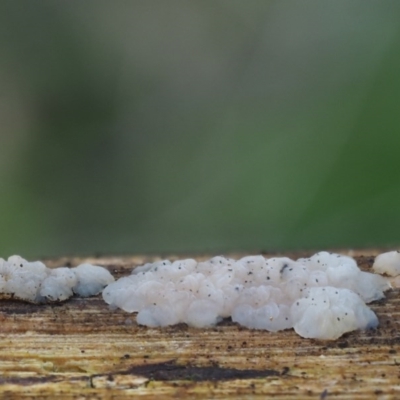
{"x":82,"y":349}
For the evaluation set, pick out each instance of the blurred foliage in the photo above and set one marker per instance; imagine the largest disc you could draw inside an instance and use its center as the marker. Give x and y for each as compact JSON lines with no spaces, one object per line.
{"x":198,"y":125}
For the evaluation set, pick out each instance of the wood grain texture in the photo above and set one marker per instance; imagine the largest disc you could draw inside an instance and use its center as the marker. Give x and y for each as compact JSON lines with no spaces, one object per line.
{"x":82,"y":349}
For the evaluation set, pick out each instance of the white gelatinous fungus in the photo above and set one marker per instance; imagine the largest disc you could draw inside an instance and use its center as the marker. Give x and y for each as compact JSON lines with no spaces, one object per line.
{"x":58,"y":284}
{"x":322,"y":296}
{"x":35,"y":283}
{"x":387,"y":263}
{"x":329,"y":312}
{"x":91,"y":279}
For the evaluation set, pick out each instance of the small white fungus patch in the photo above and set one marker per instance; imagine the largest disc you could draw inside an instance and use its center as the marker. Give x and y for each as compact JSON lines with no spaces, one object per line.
{"x":320,"y":297}
{"x":387,"y":263}
{"x":329,"y":312}
{"x":34,"y":282}
{"x":91,"y":279}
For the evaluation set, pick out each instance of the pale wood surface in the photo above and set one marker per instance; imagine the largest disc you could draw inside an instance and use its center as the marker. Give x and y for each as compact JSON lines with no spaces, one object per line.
{"x":82,"y":349}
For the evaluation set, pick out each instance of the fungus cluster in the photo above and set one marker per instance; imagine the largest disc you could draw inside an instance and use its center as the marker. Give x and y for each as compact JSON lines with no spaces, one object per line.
{"x":322,"y":297}
{"x":35,"y":283}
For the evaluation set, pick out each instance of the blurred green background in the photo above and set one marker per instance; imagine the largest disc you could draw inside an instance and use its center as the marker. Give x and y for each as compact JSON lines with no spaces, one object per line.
{"x":198,"y":125}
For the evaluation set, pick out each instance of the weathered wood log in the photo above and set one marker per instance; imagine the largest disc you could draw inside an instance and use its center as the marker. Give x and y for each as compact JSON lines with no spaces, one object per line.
{"x":81,"y":348}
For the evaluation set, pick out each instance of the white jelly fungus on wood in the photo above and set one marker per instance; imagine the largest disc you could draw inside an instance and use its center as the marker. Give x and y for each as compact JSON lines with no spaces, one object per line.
{"x":320,"y":297}
{"x":387,"y":263}
{"x":34,"y":282}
